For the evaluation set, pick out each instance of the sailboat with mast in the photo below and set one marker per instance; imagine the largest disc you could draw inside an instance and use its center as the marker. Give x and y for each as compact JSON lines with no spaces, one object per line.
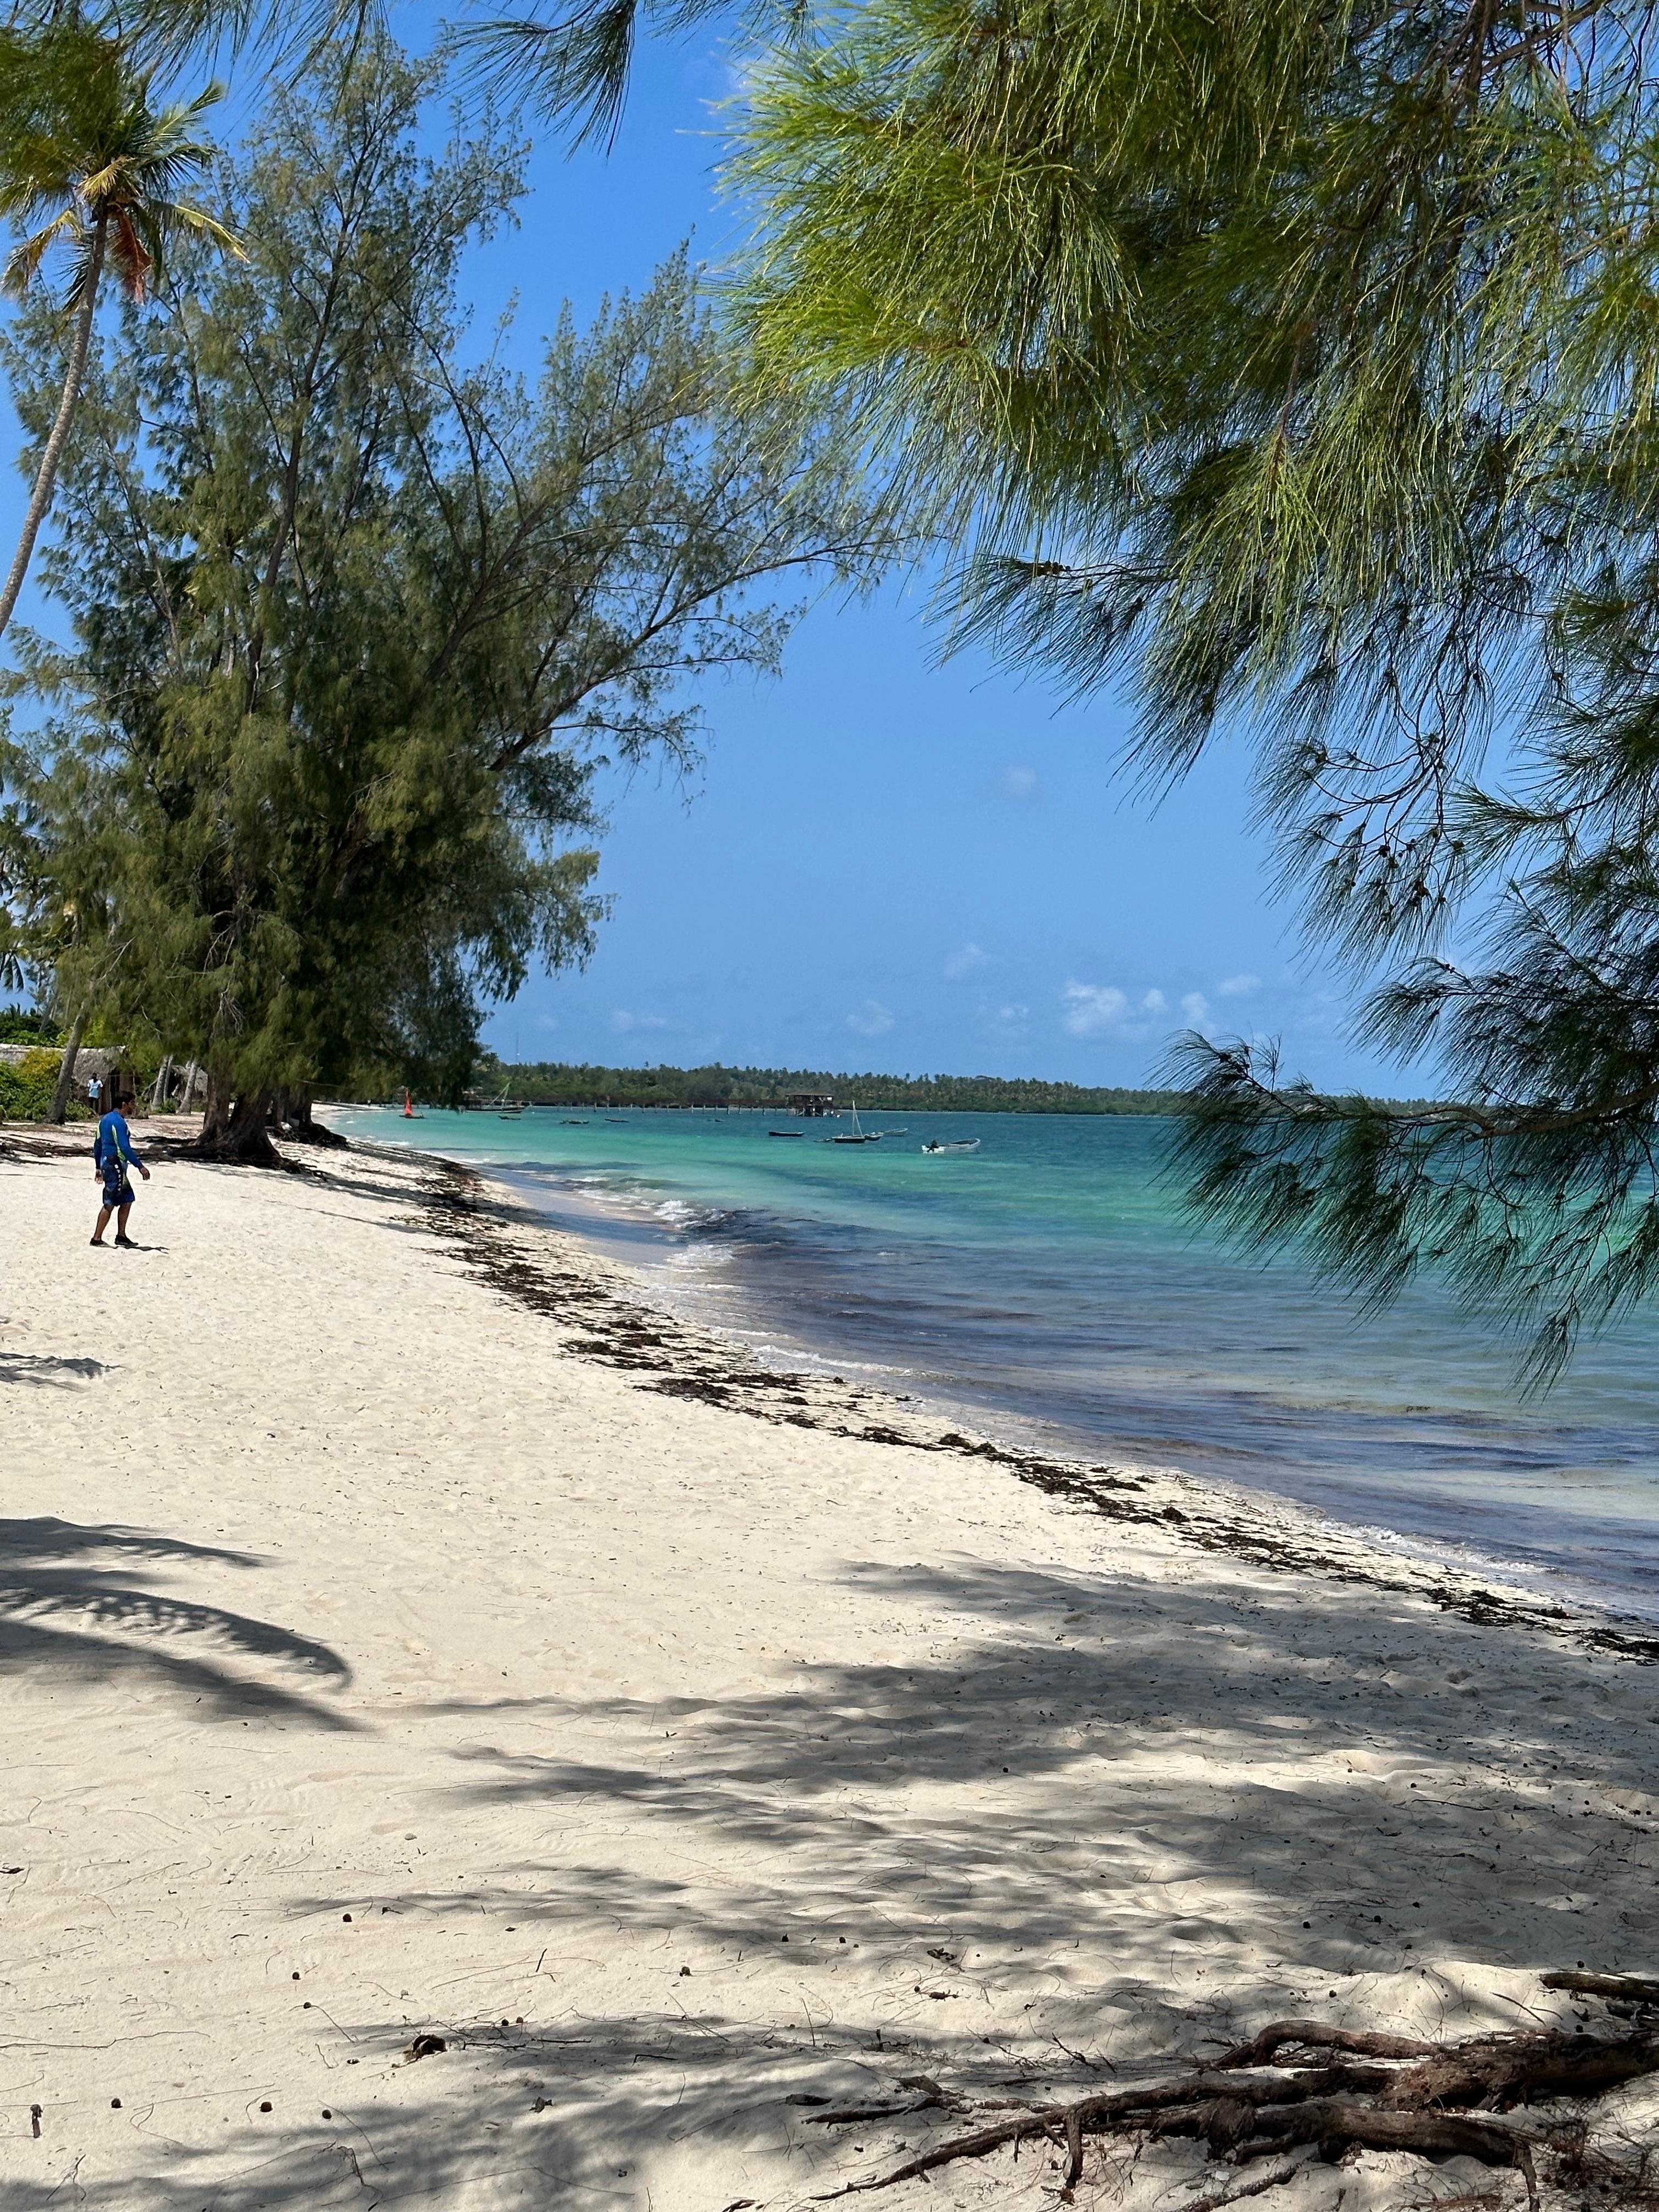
{"x":859,"y":1136}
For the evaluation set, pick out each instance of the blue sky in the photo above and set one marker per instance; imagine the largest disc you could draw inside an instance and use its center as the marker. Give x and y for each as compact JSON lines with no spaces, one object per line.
{"x":884,"y":863}
{"x":887,"y":862}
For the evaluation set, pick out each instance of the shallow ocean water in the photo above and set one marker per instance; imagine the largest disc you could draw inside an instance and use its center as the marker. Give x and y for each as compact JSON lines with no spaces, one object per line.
{"x":1049,"y":1287}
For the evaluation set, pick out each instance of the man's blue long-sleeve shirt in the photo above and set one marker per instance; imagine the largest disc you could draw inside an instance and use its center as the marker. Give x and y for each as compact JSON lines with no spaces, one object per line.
{"x":112,"y":1145}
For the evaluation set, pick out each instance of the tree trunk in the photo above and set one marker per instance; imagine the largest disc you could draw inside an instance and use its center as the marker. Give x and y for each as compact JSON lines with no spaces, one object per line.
{"x":293,"y":1116}
{"x":45,"y":475}
{"x":216,"y":1108}
{"x":163,"y":1083}
{"x":60,"y":1097}
{"x":240,"y":1131}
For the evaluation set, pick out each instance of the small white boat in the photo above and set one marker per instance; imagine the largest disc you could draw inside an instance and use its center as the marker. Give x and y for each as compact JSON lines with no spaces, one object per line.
{"x":958,"y":1145}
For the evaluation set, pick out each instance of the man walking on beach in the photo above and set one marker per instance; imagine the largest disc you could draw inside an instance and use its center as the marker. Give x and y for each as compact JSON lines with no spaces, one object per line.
{"x":112,"y":1155}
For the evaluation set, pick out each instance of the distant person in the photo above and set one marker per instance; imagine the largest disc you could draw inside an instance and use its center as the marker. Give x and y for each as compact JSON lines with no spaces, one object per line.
{"x":94,"y":1093}
{"x":112,"y":1155}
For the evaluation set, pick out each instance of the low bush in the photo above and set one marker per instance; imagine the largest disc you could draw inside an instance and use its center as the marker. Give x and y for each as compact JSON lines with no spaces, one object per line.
{"x":26,"y":1090}
{"x":26,"y":1087}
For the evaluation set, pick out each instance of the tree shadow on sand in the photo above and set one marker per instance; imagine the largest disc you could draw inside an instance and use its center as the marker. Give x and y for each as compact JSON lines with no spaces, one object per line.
{"x":1255,"y":1788}
{"x":72,"y":1604}
{"x":1107,"y":1827}
{"x":43,"y":1372}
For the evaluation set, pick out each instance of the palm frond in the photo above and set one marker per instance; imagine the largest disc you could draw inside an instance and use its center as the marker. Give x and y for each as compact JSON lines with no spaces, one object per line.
{"x":182,"y":215}
{"x":23,"y":264}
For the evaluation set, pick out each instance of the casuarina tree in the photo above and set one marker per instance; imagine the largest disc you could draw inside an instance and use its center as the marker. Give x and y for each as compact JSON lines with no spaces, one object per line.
{"x":359,"y":615}
{"x":1292,"y":369}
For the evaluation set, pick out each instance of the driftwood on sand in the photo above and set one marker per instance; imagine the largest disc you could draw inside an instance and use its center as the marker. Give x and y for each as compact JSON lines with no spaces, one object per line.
{"x":1301,"y":2082}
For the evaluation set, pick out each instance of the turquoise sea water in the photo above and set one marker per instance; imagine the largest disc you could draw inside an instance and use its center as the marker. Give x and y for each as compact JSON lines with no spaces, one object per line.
{"x":1049,"y":1287}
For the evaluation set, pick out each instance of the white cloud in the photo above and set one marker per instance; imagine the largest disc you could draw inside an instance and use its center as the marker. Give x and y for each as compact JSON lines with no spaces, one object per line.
{"x":1154,"y":1003}
{"x":871,"y":1019}
{"x":965,"y":963}
{"x":1093,"y":1008}
{"x":1238,"y":987}
{"x":621,"y":1021}
{"x":1020,"y":783}
{"x":1196,"y":1008}
{"x":1012,"y":1012}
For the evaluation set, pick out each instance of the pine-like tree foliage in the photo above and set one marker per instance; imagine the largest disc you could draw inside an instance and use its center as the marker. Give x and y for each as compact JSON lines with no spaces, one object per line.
{"x":1295,"y":366}
{"x":358,"y":615}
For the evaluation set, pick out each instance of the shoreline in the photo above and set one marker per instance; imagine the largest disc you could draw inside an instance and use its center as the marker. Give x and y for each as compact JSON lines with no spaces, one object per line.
{"x":412,"y":1639}
{"x":1262,"y":1527}
{"x":1555,"y":1503}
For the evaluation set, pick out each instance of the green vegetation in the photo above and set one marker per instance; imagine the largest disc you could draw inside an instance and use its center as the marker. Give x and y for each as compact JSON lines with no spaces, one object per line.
{"x":82,"y":147}
{"x":19,"y":1025}
{"x":549,"y":1084}
{"x":26,"y":1090}
{"x":356,"y":625}
{"x":1294,"y":370}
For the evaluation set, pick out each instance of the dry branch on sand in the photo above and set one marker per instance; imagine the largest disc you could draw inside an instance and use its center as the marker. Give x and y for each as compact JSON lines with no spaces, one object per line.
{"x":1300,"y":2082}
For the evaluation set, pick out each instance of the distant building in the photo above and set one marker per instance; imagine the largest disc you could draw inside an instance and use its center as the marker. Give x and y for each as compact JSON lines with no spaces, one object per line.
{"x":812,"y":1103}
{"x":110,"y":1070}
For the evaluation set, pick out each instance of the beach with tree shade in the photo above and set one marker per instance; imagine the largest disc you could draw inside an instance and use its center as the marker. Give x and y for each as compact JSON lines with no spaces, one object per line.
{"x":479,"y":1734}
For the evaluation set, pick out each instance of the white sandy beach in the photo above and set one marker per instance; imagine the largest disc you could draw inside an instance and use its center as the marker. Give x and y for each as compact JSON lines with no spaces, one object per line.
{"x":382,"y":1659}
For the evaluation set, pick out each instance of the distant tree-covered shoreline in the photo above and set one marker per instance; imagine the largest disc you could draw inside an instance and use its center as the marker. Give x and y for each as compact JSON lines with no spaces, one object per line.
{"x":550,"y":1084}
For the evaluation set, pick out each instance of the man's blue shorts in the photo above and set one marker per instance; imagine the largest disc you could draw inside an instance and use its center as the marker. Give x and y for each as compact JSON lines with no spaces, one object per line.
{"x":117,"y":1193}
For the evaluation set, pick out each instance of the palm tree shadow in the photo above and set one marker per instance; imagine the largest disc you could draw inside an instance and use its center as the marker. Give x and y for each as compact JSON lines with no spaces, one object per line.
{"x":73,"y":1603}
{"x":44,"y":1372}
{"x":1093,"y":1812}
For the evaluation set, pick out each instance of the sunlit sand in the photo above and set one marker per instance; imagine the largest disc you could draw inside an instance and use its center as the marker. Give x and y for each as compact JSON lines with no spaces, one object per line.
{"x":408,"y":1642}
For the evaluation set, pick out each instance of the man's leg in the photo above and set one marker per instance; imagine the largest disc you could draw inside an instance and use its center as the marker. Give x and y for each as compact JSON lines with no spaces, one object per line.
{"x":121,"y":1237}
{"x":104,"y":1212}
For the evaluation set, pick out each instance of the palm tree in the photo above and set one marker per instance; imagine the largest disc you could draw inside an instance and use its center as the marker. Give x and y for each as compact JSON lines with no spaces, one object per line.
{"x":81,"y":146}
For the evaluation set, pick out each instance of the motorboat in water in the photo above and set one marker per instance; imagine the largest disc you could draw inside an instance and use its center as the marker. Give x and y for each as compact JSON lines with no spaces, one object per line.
{"x":954,"y":1144}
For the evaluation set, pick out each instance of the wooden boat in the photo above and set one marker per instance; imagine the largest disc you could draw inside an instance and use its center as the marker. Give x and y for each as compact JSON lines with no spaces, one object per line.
{"x":859,"y":1136}
{"x":786,"y":1133}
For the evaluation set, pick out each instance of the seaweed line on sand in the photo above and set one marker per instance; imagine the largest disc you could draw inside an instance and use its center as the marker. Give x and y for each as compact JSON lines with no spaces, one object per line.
{"x":606,"y":1326}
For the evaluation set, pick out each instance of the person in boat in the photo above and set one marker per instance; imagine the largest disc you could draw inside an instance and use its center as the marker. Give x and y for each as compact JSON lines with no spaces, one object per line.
{"x":112,"y":1155}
